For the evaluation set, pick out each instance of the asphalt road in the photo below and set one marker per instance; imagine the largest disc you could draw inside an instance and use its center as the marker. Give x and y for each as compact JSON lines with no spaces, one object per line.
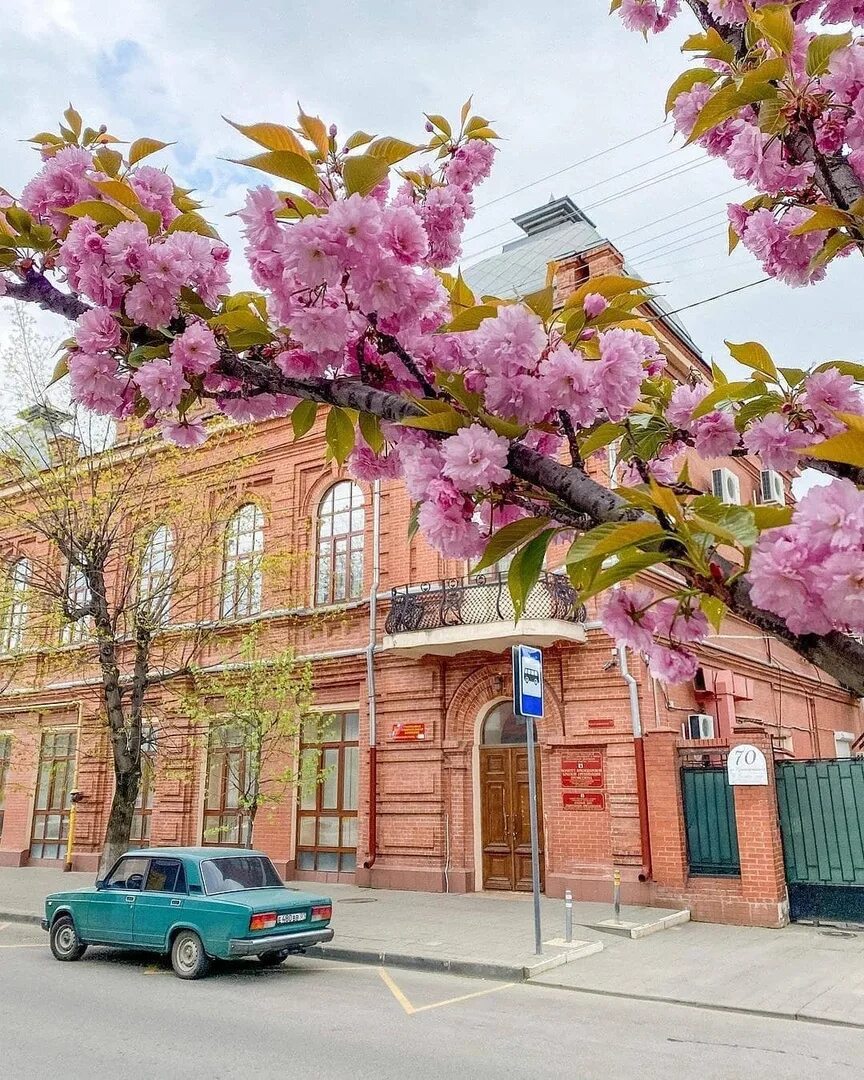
{"x":125,"y":1015}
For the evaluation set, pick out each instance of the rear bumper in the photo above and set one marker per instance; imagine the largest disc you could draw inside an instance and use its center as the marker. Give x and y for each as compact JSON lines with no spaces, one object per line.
{"x":295,"y":942}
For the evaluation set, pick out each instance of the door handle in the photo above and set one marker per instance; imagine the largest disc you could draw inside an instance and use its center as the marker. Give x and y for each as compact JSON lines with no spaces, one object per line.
{"x":130,"y":899}
{"x":506,"y":822}
{"x":176,"y":903}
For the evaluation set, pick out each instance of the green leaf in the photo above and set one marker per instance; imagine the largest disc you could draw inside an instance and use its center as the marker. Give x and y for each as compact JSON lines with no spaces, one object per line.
{"x":61,"y":370}
{"x":284,"y":163}
{"x":686,"y":81}
{"x":626,"y":566}
{"x":735,"y":524}
{"x":607,"y":286}
{"x":525,"y":569}
{"x":238,"y":319}
{"x":612,"y":537}
{"x":845,"y":367}
{"x":194,"y":223}
{"x":303,"y":417}
{"x":108,"y":160}
{"x":101,"y":212}
{"x":756,"y":409}
{"x":315,"y":130}
{"x":363,"y":172}
{"x":271,"y":136}
{"x":510,"y":429}
{"x":142,"y":148}
{"x":508,"y":538}
{"x":711,"y":43}
{"x":392,"y":150}
{"x":359,"y":138}
{"x":730,"y":391}
{"x":541,"y":302}
{"x":753,"y":355}
{"x":339,"y":434}
{"x":441,"y":123}
{"x":821,"y":49}
{"x":715,"y":611}
{"x":370,"y":429}
{"x":823,"y":217}
{"x":73,"y":119}
{"x":772,"y":517}
{"x":602,"y":436}
{"x":847,"y":447}
{"x":794,"y":376}
{"x":121,"y":192}
{"x":774,"y":22}
{"x":447,"y":422}
{"x":719,"y":376}
{"x":469,"y":319}
{"x":727,"y":102}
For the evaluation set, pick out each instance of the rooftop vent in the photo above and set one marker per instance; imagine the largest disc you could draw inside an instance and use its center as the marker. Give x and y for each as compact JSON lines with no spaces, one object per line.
{"x":555,"y":212}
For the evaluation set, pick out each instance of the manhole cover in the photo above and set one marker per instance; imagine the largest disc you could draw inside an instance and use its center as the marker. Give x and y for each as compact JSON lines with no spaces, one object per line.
{"x":838,"y":933}
{"x":358,"y":900}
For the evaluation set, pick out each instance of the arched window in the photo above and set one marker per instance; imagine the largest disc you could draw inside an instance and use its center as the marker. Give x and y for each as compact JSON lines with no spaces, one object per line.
{"x":502,"y":727}
{"x":241,"y":563}
{"x":14,"y":606}
{"x":339,"y":556}
{"x":78,"y":596}
{"x":154,"y":580}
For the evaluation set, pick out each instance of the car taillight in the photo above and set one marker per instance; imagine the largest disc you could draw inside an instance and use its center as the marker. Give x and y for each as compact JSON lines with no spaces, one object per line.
{"x":321,"y":912}
{"x":265,"y":921}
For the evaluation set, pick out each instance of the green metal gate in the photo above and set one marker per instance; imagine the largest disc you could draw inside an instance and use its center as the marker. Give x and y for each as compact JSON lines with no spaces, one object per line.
{"x":822,"y":824}
{"x":709,"y":820}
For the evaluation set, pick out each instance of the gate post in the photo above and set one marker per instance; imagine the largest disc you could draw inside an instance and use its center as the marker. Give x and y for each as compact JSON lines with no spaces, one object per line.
{"x":763,"y":876}
{"x":668,"y":839}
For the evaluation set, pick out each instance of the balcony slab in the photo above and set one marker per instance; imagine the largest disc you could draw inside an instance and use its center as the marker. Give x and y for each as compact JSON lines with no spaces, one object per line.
{"x":494,"y":637}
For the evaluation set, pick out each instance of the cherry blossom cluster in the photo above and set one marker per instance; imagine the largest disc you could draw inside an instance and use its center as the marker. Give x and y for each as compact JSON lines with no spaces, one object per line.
{"x":811,"y":573}
{"x":662,"y":629}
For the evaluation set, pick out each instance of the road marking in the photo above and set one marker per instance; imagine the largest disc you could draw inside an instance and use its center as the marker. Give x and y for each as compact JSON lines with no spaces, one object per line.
{"x":412,"y":1010}
{"x":25,"y":945}
{"x":3,"y":925}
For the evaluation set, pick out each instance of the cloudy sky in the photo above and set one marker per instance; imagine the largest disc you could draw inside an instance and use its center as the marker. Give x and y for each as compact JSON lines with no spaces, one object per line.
{"x":562,"y":82}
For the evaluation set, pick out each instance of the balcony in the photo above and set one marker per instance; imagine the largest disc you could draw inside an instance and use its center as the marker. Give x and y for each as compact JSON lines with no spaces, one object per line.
{"x":456,"y":615}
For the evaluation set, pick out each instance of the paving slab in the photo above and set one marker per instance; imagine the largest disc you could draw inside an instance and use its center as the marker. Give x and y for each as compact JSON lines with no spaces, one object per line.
{"x":645,"y":922}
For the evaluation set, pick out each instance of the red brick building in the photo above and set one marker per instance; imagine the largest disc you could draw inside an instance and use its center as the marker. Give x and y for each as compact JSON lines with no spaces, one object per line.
{"x":426,"y":771}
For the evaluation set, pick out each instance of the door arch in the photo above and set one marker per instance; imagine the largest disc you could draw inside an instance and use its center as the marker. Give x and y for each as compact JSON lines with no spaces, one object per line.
{"x":505,"y":835}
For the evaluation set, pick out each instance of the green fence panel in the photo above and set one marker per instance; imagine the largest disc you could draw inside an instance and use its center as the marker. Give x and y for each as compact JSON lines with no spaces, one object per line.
{"x":709,"y":819}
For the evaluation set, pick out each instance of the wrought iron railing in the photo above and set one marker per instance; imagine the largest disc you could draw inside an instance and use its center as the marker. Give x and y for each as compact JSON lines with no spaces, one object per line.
{"x":476,"y":600}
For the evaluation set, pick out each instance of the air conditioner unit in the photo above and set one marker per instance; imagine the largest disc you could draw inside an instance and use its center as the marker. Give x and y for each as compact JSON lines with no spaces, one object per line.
{"x":772,"y":488}
{"x":726,"y":486}
{"x":698,"y":726}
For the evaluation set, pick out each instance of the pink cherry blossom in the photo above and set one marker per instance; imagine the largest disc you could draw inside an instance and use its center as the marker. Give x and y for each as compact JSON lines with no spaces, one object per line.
{"x":94,"y":384}
{"x":320,"y":329}
{"x":570,"y":381}
{"x":97,"y":331}
{"x":404,"y":235}
{"x":679,"y":411}
{"x":648,"y":16}
{"x":832,"y":517}
{"x":783,"y":256}
{"x":195,"y":350}
{"x":775,"y":443}
{"x":475,"y":458}
{"x":620,"y":370}
{"x":364,"y":464}
{"x":728,"y":12}
{"x":151,"y":306}
{"x":680,"y":623}
{"x":782,"y":580}
{"x":155,"y":191}
{"x":827,"y":393}
{"x":594,"y":304}
{"x":185,"y":433}
{"x":249,"y":410}
{"x":126,"y":248}
{"x":715,"y":434}
{"x":628,"y":616}
{"x":758,"y":159}
{"x":162,"y":383}
{"x":470,"y":165}
{"x":840,"y":579}
{"x":672,"y":665}
{"x":61,"y":182}
{"x":511,"y":342}
{"x":446,"y":520}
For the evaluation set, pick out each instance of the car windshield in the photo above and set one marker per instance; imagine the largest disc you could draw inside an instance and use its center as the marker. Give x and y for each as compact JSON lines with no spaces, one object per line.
{"x":238,"y":872}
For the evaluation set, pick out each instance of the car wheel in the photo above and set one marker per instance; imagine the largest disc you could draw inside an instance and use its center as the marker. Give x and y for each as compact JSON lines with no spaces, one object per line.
{"x":65,"y":943}
{"x":273,"y":959}
{"x":188,"y":957}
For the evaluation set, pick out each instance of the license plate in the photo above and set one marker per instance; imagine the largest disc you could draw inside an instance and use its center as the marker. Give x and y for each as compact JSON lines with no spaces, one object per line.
{"x":294,"y":916}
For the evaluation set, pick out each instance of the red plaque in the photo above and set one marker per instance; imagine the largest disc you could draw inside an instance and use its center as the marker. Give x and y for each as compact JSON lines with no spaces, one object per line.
{"x":413,"y":732}
{"x":584,"y":800}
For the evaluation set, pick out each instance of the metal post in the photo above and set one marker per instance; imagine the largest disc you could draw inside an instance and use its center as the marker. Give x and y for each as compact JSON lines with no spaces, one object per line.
{"x":535,"y":845}
{"x":568,"y":916}
{"x":616,"y":893}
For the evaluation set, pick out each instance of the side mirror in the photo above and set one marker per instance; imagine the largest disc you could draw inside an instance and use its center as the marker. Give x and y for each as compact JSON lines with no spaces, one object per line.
{"x":100,"y":883}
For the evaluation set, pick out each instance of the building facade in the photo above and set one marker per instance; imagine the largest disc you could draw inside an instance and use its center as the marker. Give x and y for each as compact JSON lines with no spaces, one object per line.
{"x":425,"y":768}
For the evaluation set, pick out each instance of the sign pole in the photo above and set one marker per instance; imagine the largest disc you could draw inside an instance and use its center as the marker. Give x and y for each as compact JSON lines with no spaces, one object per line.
{"x":535,"y":846}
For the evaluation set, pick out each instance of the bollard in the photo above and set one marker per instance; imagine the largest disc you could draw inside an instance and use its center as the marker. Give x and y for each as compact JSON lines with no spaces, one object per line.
{"x":568,"y":916}
{"x":616,"y":880}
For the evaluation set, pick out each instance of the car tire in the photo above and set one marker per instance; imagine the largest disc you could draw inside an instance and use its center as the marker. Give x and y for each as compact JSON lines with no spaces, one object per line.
{"x":273,"y":959}
{"x":64,"y":940}
{"x":188,"y":958}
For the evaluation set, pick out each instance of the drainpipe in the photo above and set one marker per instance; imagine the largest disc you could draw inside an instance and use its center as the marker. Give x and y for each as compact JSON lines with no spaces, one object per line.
{"x":639,"y":752}
{"x":370,"y":677}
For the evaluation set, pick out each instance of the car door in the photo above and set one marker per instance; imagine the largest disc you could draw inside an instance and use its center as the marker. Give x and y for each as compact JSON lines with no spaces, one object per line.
{"x":111,"y":909}
{"x":161,"y":902}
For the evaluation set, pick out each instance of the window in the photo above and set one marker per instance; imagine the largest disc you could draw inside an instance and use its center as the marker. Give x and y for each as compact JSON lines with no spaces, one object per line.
{"x":78,"y":593}
{"x":144,"y":803}
{"x":154,"y":581}
{"x":502,"y":727}
{"x":53,"y":794}
{"x":5,"y":754}
{"x":14,"y":613}
{"x":225,"y":817}
{"x":339,"y":558}
{"x":128,"y":874}
{"x":239,"y":872}
{"x":166,"y":875}
{"x":241,"y":563}
{"x":327,"y":819}
{"x":843,"y":743}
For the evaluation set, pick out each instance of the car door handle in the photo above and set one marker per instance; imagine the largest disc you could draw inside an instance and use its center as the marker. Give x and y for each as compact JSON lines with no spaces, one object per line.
{"x":130,"y":899}
{"x":176,"y":903}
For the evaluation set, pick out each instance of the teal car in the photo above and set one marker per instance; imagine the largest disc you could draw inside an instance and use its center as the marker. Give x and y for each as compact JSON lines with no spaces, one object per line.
{"x":195,"y":903}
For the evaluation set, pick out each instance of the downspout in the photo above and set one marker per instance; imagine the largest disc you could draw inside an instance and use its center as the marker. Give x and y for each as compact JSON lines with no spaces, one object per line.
{"x":370,"y":677}
{"x":639,"y":753}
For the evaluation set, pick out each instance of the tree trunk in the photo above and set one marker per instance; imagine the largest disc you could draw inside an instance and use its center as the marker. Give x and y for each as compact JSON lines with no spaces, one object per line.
{"x":120,"y":819}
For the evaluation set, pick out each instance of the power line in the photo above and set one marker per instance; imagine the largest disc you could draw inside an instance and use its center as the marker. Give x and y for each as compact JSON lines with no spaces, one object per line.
{"x":667,"y":249}
{"x":683,"y":210}
{"x":707,"y":300}
{"x":679,"y":228}
{"x":576,"y":164}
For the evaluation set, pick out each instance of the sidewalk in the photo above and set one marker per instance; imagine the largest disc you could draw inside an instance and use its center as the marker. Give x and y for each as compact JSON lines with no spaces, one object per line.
{"x":802,"y":972}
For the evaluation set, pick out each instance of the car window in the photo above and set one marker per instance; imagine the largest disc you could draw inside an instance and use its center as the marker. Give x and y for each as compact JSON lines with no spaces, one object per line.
{"x":239,"y":872}
{"x":166,"y":875}
{"x":128,"y":874}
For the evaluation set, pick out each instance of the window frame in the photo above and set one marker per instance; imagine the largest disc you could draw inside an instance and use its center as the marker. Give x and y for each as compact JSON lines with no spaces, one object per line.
{"x":327,"y":543}
{"x":224,"y":812}
{"x":155,"y":580}
{"x":78,"y":592}
{"x":5,"y":767}
{"x":242,"y":586}
{"x":344,"y":853}
{"x":16,"y":605}
{"x":167,"y":892}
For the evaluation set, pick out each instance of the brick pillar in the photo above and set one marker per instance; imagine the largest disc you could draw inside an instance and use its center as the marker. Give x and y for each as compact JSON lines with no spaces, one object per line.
{"x":763,"y":878}
{"x":665,"y":810}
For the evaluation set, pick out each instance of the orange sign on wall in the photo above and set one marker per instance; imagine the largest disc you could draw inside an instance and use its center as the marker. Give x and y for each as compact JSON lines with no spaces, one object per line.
{"x":582,"y":780}
{"x":414,"y":732}
{"x":584,"y":800}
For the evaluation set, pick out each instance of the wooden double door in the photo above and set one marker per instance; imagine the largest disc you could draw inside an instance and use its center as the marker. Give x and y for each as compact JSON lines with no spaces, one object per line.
{"x":505,"y":818}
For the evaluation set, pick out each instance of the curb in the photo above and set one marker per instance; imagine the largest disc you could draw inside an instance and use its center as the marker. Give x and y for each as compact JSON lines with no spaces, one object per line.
{"x":740,"y":1010}
{"x":472,"y":969}
{"x":20,"y":917}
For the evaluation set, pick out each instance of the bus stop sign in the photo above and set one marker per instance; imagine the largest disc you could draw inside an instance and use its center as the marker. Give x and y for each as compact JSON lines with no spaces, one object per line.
{"x":527,"y":681}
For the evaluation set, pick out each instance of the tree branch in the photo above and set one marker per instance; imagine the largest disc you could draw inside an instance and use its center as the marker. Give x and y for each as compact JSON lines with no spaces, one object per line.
{"x":37,"y":289}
